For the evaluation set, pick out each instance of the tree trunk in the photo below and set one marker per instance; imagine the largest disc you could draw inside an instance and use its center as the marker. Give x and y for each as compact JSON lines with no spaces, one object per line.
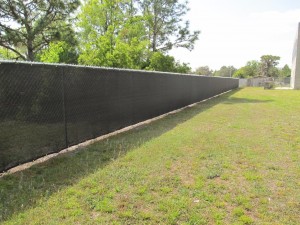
{"x":154,"y":38}
{"x":154,"y":42}
{"x":30,"y":54}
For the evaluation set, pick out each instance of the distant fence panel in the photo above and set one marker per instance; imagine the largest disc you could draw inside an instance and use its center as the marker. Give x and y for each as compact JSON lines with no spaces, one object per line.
{"x":260,"y":81}
{"x":46,"y":108}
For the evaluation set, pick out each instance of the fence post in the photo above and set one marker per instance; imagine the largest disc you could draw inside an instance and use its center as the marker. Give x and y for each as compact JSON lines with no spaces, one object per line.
{"x":64,"y":106}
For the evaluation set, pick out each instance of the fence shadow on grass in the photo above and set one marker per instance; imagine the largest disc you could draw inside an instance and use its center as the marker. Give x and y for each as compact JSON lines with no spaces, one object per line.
{"x":234,"y":100}
{"x":24,"y":189}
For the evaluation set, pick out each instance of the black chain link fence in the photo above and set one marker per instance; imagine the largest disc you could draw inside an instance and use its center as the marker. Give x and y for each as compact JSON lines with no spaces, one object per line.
{"x":45,"y":108}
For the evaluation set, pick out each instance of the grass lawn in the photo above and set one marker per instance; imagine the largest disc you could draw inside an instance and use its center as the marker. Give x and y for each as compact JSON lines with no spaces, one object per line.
{"x":234,"y":159}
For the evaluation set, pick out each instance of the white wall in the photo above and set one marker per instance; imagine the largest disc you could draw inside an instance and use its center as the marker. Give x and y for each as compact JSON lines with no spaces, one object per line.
{"x":295,"y":78}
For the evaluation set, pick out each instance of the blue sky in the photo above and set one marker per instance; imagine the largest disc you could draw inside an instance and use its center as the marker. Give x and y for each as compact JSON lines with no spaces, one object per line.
{"x":236,"y":31}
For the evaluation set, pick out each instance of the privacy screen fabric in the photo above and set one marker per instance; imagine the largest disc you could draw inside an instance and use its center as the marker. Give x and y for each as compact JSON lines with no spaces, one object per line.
{"x":45,"y":108}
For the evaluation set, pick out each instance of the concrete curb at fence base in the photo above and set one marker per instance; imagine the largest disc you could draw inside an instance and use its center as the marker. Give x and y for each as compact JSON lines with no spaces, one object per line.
{"x":80,"y":146}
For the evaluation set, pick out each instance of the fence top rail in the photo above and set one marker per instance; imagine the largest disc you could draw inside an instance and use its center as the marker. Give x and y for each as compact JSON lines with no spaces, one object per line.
{"x":107,"y":68}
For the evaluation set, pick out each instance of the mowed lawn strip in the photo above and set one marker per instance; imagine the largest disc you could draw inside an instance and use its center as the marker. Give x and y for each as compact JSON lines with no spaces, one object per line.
{"x":231,"y":160}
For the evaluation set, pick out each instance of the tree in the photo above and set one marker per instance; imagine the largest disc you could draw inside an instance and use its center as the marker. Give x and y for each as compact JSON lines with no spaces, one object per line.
{"x":65,"y":51}
{"x":251,"y":69}
{"x":165,"y":26}
{"x":225,"y":71}
{"x":52,"y":54}
{"x":97,"y":17}
{"x":126,"y":33}
{"x":59,"y":52}
{"x":33,"y":24}
{"x":7,"y":54}
{"x":112,"y":35}
{"x":285,"y":71}
{"x":268,"y":65}
{"x":241,"y":73}
{"x":182,"y":68}
{"x":160,"y":62}
{"x":204,"y":70}
{"x":166,"y":63}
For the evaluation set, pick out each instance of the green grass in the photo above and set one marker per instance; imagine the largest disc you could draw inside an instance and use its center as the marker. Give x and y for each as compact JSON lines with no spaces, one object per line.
{"x":231,"y":160}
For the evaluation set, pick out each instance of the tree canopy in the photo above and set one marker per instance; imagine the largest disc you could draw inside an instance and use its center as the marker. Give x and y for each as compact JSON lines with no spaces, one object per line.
{"x":166,"y":63}
{"x":165,"y":26}
{"x":127,"y":33}
{"x":285,"y":71}
{"x":115,"y":33}
{"x":204,"y":70}
{"x":26,"y":27}
{"x":251,"y":69}
{"x":110,"y":35}
{"x":225,"y":71}
{"x":266,"y":67}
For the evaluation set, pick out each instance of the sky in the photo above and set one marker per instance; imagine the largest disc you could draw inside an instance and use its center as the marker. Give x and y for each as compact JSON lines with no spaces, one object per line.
{"x":234,"y":32}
